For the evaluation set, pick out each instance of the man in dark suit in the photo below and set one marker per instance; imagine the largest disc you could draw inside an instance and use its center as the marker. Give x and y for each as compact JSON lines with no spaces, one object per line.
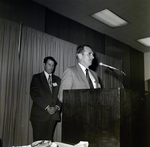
{"x":75,"y":77}
{"x":46,"y":107}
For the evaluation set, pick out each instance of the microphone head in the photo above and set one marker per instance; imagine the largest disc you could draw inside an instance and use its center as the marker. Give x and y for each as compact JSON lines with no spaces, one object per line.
{"x":100,"y":63}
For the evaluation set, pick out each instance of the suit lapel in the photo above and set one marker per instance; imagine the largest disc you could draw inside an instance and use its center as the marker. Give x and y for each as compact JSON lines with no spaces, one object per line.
{"x":44,"y":81}
{"x":95,"y":78}
{"x":82,"y":75}
{"x":53,"y":81}
{"x":56,"y":83}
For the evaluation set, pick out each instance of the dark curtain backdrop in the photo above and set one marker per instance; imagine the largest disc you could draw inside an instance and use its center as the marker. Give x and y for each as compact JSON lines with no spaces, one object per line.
{"x":20,"y":58}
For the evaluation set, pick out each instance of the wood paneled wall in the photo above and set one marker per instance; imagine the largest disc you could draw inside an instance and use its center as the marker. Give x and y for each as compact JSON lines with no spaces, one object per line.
{"x":73,"y":32}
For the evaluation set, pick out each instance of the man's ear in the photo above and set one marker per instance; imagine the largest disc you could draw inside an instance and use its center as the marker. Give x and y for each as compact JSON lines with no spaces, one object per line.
{"x":44,"y":65}
{"x":80,"y":55}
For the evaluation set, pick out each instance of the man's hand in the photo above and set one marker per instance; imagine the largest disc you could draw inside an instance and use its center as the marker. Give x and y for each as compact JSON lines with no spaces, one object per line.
{"x":51,"y":110}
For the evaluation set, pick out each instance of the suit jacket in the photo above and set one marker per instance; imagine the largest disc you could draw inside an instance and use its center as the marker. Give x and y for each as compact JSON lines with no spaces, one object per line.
{"x":74,"y":78}
{"x":42,"y":97}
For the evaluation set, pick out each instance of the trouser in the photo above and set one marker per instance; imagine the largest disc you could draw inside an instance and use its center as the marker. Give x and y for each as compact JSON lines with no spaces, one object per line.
{"x":43,"y":130}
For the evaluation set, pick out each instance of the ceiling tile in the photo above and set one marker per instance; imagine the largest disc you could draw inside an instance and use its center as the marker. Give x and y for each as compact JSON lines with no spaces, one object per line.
{"x":135,"y":12}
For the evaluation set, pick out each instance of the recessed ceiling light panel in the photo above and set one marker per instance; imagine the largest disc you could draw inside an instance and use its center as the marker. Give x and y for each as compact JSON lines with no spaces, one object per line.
{"x":145,"y":41}
{"x":109,"y":18}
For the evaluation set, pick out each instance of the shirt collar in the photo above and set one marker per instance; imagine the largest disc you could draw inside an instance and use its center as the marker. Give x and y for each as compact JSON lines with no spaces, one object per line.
{"x":47,"y":75}
{"x":83,"y":68}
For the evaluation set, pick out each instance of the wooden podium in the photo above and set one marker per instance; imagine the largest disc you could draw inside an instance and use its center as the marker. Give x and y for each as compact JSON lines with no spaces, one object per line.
{"x":103,"y":117}
{"x":93,"y":116}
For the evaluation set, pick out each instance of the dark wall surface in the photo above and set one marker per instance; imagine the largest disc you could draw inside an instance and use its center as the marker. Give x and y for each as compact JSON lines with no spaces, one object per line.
{"x":119,"y":51}
{"x":69,"y":30}
{"x":137,"y":70}
{"x":26,"y":12}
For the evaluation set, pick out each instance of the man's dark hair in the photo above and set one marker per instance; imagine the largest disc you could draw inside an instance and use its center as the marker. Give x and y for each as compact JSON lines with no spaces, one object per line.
{"x":49,"y":58}
{"x":80,"y":48}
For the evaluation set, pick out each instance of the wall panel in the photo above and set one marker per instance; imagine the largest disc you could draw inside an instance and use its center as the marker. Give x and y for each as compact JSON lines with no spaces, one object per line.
{"x":69,"y":30}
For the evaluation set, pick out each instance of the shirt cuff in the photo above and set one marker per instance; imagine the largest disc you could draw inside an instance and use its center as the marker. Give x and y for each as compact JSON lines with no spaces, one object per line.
{"x":47,"y":107}
{"x":57,"y":107}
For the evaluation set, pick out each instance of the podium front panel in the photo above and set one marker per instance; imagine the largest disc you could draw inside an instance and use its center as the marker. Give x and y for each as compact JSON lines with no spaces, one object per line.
{"x":93,"y":116}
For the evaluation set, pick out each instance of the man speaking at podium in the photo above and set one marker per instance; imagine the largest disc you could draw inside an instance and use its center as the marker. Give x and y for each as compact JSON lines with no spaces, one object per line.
{"x":80,"y":76}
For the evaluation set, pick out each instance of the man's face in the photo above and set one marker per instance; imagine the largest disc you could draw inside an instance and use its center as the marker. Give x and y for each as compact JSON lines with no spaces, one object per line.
{"x":49,"y":66}
{"x":87,"y":57}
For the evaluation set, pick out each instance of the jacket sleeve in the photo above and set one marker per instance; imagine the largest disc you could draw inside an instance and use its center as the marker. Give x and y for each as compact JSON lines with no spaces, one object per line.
{"x":66,"y":83}
{"x":36,"y":95}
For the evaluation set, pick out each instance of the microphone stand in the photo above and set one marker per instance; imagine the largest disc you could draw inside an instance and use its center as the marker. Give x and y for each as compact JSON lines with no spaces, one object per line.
{"x":120,"y":80}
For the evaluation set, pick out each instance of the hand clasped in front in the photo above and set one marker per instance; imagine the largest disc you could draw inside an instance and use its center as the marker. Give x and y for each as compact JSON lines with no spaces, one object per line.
{"x":52,"y":110}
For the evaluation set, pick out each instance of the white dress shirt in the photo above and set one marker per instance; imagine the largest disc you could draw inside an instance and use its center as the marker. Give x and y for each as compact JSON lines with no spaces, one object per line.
{"x":91,"y":76}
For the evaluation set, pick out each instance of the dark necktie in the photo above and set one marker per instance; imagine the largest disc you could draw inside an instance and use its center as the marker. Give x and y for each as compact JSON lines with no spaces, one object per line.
{"x":50,"y":82}
{"x":88,"y":78}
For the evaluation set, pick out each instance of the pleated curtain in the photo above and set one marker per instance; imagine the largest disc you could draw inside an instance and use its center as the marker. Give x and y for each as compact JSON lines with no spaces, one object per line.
{"x":22,"y":50}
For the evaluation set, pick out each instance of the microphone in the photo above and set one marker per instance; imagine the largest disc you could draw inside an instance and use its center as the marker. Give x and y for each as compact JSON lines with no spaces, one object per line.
{"x":102,"y":64}
{"x":111,"y":67}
